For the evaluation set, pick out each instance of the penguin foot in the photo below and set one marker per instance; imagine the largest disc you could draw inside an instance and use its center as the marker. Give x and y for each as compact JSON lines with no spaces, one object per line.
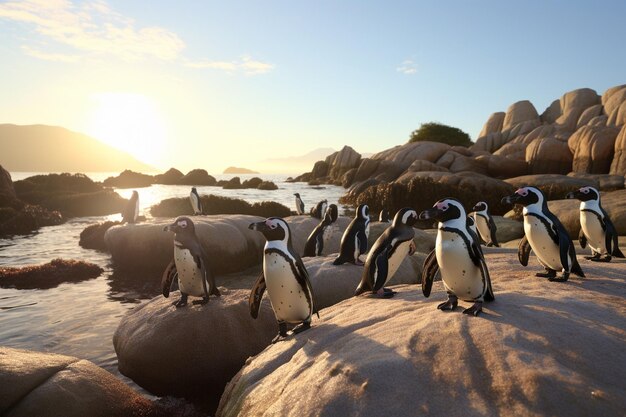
{"x":593,"y":258}
{"x":278,"y":338}
{"x":282,"y":333}
{"x":474,"y":310}
{"x":562,"y":278}
{"x":301,"y":327}
{"x":358,"y":262}
{"x":449,"y":305}
{"x":384,"y":293}
{"x":599,"y":259}
{"x":200,"y":302}
{"x":550,"y":273}
{"x":180,"y":303}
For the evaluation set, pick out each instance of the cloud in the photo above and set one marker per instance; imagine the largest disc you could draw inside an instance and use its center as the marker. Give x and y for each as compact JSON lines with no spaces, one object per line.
{"x":246,"y":65}
{"x":407,"y":67}
{"x":93,"y":29}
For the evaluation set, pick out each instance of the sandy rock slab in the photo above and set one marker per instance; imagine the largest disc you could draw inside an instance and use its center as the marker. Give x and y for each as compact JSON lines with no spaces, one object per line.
{"x":46,"y":384}
{"x":540,"y":349}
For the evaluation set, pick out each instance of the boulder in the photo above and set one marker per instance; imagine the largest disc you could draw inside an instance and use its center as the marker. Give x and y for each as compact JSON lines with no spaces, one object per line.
{"x":320,"y":169}
{"x":231,"y":184}
{"x":503,"y":167}
{"x":48,"y":275}
{"x":267,"y":185}
{"x":251,"y":182}
{"x":490,"y":143}
{"x":197,"y":177}
{"x":456,"y":162}
{"x":618,"y":116}
{"x":170,"y":177}
{"x":549,"y":156}
{"x":589,"y":114}
{"x":593,"y":148}
{"x":508,"y":229}
{"x":404,"y":155}
{"x":573,"y":104}
{"x":552,"y":112}
{"x":6,"y":185}
{"x":129,"y":179}
{"x":373,"y":168}
{"x":599,"y":121}
{"x":230,"y":245}
{"x":512,"y":150}
{"x":46,"y":384}
{"x":539,"y":132}
{"x":215,"y":204}
{"x":613,"y":98}
{"x":531,"y":352}
{"x":604,"y":182}
{"x":92,"y":237}
{"x":493,"y":125}
{"x":341,"y":162}
{"x":422,"y":165}
{"x":348,"y":178}
{"x":553,"y":186}
{"x":519,"y":112}
{"x":25,"y":218}
{"x":618,"y":165}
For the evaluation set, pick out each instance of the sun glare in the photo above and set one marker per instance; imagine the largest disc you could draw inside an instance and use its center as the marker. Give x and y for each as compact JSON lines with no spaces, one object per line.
{"x":131,"y":123}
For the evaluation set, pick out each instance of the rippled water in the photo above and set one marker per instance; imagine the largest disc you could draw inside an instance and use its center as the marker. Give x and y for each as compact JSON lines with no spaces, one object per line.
{"x":79,"y":318}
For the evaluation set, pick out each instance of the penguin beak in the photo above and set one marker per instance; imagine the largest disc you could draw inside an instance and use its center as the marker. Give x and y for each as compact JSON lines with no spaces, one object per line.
{"x":258,"y":226}
{"x":429,"y":214}
{"x":475,"y":208}
{"x":170,"y":228}
{"x":511,"y":199}
{"x":573,"y":194}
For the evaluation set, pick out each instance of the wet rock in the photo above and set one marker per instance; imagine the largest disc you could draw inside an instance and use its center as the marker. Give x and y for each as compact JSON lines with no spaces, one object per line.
{"x":92,"y":237}
{"x":232,"y":184}
{"x":267,"y":185}
{"x":198,"y":177}
{"x":320,"y":169}
{"x":48,"y":275}
{"x":129,"y":179}
{"x":170,"y":177}
{"x":26,"y":219}
{"x":46,"y":384}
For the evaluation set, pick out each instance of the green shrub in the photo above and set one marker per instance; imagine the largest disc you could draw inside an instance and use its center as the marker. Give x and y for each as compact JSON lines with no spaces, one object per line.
{"x":437,"y":132}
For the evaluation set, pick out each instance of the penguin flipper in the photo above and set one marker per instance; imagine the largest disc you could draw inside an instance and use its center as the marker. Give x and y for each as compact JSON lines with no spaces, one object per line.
{"x":303,"y":279}
{"x":208,"y":283}
{"x":319,"y":243}
{"x":612,"y":242}
{"x":429,"y":271}
{"x":254,"y":301}
{"x":493,"y":229}
{"x":484,"y":272}
{"x":362,"y":237}
{"x":168,"y":277}
{"x":582,"y":239}
{"x":523,"y":251}
{"x":381,"y":264}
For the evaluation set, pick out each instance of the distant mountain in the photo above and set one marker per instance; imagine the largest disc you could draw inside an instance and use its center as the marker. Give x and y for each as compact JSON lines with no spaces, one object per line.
{"x":305,"y":161}
{"x":41,"y":148}
{"x":235,"y":170}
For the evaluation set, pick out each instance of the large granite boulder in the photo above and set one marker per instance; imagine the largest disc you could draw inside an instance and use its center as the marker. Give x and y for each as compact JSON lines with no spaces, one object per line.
{"x":603,"y":182}
{"x":503,"y":167}
{"x":403,"y":357}
{"x":454,"y":161}
{"x":573,"y":104}
{"x":549,"y":156}
{"x":129,"y":179}
{"x":552,"y":112}
{"x":342,"y":161}
{"x":7,"y":191}
{"x":614,"y":101}
{"x":493,"y":124}
{"x":197,"y":177}
{"x":46,"y":384}
{"x":593,"y":148}
{"x":519,"y":112}
{"x":170,"y":177}
{"x":589,"y":114}
{"x":508,"y":229}
{"x":409,"y":152}
{"x":230,"y":245}
{"x":553,"y":186}
{"x":422,"y":165}
{"x":618,"y":165}
{"x":512,"y":150}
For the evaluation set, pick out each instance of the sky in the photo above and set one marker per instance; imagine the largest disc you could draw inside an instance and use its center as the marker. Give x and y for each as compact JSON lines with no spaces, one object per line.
{"x":217,"y":83}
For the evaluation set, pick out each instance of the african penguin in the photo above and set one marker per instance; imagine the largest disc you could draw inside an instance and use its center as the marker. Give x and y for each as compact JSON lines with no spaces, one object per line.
{"x":196,"y":203}
{"x":354,"y":239}
{"x":315,"y":242}
{"x":131,"y":209}
{"x":545,"y":235}
{"x":383,"y":216}
{"x":458,"y":256}
{"x":484,"y":224}
{"x":471,"y":224}
{"x":320,"y":209}
{"x":299,"y":204}
{"x":596,"y":228}
{"x":190,"y":265}
{"x":285,"y":278}
{"x":387,"y":253}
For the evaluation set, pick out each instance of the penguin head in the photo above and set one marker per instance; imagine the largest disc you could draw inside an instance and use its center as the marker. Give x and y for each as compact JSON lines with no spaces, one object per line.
{"x":297,"y":194}
{"x":444,"y":210}
{"x":135,"y":196}
{"x":406,"y":216}
{"x":383,"y":216}
{"x":193,"y":190}
{"x":480,"y":206}
{"x":181,"y":226}
{"x":585,"y":194}
{"x":363,"y":211}
{"x":331,"y":214}
{"x":525,"y":196}
{"x":273,"y":228}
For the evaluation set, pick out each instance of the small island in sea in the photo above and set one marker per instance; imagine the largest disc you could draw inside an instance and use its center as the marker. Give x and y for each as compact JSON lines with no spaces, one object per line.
{"x":236,"y":170}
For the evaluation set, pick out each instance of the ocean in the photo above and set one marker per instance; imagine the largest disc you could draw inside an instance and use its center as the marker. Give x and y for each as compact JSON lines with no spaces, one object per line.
{"x":79,"y":318}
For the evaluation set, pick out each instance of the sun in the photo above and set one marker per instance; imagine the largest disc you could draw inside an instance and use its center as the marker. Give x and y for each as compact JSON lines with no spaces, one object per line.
{"x":129,"y":122}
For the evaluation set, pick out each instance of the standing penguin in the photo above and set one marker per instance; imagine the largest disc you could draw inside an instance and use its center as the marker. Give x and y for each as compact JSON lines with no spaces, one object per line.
{"x":131,"y":210}
{"x":190,"y":265}
{"x":596,"y":228}
{"x":383,"y":216}
{"x":299,"y":204}
{"x":545,"y":235}
{"x":354,"y":239}
{"x":388,"y":252}
{"x":458,"y":256}
{"x":285,"y":278}
{"x":196,"y":203}
{"x":315,"y":242}
{"x":484,"y":224}
{"x":319,"y":210}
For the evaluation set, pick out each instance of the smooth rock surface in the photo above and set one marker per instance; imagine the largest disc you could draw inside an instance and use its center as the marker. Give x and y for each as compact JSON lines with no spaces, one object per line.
{"x":540,"y":349}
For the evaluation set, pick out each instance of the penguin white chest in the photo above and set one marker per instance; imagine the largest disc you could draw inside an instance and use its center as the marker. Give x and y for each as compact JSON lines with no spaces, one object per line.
{"x":458,"y":272}
{"x":593,"y":231}
{"x":288,"y":298}
{"x":189,"y":275}
{"x":541,"y":243}
{"x":483,"y":228}
{"x":396,"y":258}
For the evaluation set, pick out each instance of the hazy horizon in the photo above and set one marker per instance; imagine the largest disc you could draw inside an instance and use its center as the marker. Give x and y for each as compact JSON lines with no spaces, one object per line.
{"x":216,"y":84}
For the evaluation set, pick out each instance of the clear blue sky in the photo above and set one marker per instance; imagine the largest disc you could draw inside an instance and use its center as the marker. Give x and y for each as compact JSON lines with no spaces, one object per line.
{"x":235,"y":82}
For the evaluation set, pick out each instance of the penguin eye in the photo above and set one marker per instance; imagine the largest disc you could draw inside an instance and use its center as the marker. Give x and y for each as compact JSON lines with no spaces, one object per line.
{"x":182,"y":224}
{"x":585,"y":190}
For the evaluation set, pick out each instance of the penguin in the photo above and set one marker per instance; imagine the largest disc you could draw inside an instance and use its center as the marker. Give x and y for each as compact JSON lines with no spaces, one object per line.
{"x":354,"y":239}
{"x":458,"y":256}
{"x":196,"y":203}
{"x":319,"y":210}
{"x":471,"y":224}
{"x":131,"y":210}
{"x":484,"y":224}
{"x":190,"y":265}
{"x":545,"y":235}
{"x":285,"y":277}
{"x":383,"y":216}
{"x":596,"y":228}
{"x":315,"y":242}
{"x":387,"y":253}
{"x":299,"y":204}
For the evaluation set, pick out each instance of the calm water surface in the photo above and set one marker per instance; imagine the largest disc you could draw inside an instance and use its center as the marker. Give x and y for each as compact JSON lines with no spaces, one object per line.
{"x":79,"y":318}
